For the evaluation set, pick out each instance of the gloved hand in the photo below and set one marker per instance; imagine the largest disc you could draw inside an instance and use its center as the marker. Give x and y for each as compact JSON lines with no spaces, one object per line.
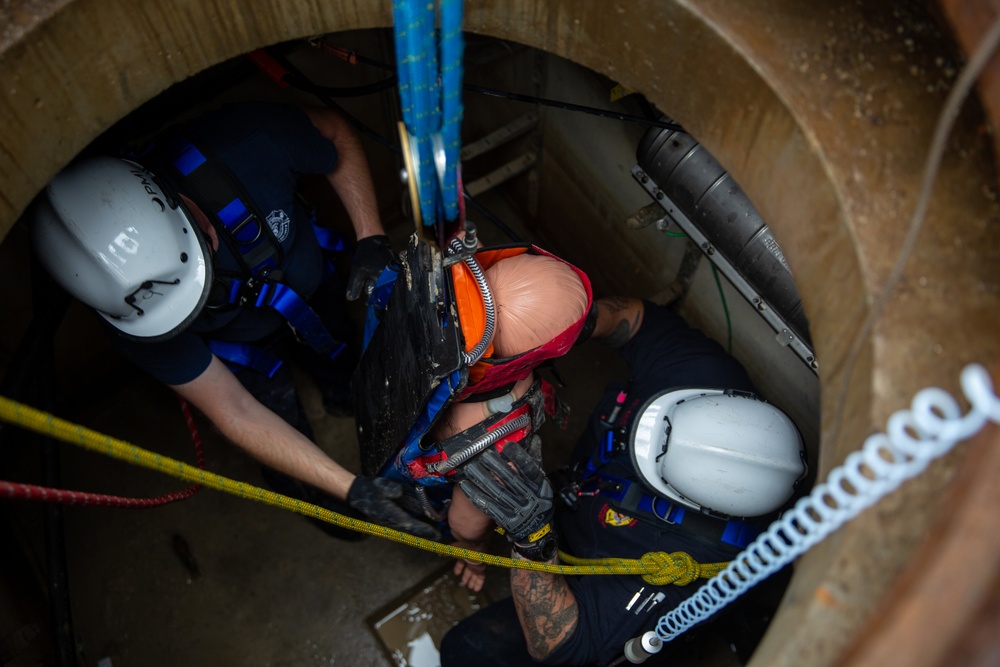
{"x":372,"y":255}
{"x":379,"y":498}
{"x":510,"y":488}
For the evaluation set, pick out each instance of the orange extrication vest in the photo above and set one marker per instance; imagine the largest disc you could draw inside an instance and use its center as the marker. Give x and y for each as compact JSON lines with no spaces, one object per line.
{"x":412,"y":367}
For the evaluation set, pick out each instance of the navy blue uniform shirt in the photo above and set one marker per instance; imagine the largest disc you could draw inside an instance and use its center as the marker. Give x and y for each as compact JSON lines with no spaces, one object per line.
{"x":665,"y":353}
{"x":266,"y":147}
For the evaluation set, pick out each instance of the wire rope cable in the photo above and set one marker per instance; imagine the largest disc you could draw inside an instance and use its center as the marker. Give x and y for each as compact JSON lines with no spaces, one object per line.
{"x":913,"y":438}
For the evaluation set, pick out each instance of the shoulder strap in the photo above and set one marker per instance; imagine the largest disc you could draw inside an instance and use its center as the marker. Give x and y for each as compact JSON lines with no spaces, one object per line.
{"x":206,"y":179}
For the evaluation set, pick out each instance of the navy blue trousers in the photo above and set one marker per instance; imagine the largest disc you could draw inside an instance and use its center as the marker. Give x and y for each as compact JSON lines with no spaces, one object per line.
{"x":491,"y":637}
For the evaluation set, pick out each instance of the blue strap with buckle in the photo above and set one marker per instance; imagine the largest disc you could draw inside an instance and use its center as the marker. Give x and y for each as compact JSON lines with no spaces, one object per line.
{"x":303,"y":319}
{"x":632,"y":499}
{"x":258,"y":251}
{"x":216,"y":187}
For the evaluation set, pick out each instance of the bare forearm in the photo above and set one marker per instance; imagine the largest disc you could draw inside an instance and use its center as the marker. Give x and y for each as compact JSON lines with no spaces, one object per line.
{"x":618,"y":318}
{"x":353,"y":184}
{"x":546,"y":608}
{"x":351,"y":179}
{"x":273,"y":442}
{"x":261,"y":433}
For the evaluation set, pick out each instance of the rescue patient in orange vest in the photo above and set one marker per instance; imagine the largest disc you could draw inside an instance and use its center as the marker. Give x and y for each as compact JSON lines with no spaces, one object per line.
{"x":536,"y":298}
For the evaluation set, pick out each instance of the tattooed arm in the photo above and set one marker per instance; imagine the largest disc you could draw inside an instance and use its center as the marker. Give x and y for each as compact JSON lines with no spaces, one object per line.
{"x":546,"y":607}
{"x":618,"y":318}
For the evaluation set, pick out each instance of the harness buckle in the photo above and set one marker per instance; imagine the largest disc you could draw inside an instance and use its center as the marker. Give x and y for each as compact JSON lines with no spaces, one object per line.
{"x":571,"y":491}
{"x":239,"y":226}
{"x":253,"y":286}
{"x":570,"y":494}
{"x":664,"y":514}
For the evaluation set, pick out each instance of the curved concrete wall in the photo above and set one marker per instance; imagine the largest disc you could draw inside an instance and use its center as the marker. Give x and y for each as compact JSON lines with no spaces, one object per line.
{"x":822,"y":111}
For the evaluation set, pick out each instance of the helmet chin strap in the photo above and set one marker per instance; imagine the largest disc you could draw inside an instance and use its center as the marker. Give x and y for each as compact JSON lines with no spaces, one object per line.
{"x":203,"y":222}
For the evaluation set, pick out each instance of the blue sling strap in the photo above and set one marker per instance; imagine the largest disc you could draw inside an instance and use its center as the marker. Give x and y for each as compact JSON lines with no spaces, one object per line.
{"x":633,"y":499}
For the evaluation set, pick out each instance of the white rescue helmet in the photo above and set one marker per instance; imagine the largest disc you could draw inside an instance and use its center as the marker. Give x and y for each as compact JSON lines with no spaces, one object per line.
{"x":725,"y":453}
{"x":112,"y":238}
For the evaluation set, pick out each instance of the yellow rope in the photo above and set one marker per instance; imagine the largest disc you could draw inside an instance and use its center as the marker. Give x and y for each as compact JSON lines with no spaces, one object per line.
{"x":656,"y":568}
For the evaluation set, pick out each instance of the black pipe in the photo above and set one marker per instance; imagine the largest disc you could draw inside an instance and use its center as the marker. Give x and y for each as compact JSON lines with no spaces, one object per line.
{"x":714,"y":203}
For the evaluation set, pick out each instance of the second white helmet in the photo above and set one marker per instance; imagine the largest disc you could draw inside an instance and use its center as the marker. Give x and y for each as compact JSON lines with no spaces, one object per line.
{"x":723,"y":452}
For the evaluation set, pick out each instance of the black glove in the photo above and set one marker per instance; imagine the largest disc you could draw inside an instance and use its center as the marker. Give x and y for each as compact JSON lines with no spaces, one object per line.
{"x":518,"y":497}
{"x":380,"y":499}
{"x":372,"y":255}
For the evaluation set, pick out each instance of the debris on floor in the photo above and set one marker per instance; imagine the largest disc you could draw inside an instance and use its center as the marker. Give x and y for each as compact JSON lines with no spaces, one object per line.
{"x":410,"y":628}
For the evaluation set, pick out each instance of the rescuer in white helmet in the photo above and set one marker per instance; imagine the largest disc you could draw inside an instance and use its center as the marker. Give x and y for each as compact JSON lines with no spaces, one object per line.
{"x":683,"y":457}
{"x":206,"y":268}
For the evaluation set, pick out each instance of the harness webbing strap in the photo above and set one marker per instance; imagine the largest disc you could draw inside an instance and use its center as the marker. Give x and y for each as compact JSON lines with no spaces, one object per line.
{"x":188,"y":158}
{"x":211,"y":184}
{"x":328,"y":239}
{"x":248,"y":229}
{"x":303,"y":319}
{"x":632,"y":499}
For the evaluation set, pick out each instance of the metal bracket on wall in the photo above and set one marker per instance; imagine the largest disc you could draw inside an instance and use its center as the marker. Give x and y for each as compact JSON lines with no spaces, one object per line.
{"x":512,"y":130}
{"x":504,"y":173}
{"x":519,"y":126}
{"x":676,"y":291}
{"x":785,"y":335}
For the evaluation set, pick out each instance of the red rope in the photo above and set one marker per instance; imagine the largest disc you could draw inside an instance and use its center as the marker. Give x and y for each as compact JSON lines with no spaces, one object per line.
{"x":193,"y":430}
{"x":18,"y":491}
{"x":43,"y":494}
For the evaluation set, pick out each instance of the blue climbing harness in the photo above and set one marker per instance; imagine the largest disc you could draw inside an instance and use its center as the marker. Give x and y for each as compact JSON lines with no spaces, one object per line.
{"x":203,"y":177}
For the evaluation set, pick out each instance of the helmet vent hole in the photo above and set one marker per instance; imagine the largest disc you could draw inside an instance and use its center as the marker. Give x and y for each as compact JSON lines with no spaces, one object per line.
{"x":184,"y":257}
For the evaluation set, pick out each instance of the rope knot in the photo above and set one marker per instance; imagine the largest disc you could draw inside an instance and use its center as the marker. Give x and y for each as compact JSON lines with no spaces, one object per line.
{"x":677,"y":568}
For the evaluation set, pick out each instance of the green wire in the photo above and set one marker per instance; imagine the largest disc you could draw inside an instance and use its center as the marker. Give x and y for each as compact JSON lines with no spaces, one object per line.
{"x":722,"y":295}
{"x":725,"y":309}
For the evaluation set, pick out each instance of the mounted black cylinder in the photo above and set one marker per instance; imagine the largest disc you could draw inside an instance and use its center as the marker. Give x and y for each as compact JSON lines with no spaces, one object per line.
{"x":712,"y":200}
